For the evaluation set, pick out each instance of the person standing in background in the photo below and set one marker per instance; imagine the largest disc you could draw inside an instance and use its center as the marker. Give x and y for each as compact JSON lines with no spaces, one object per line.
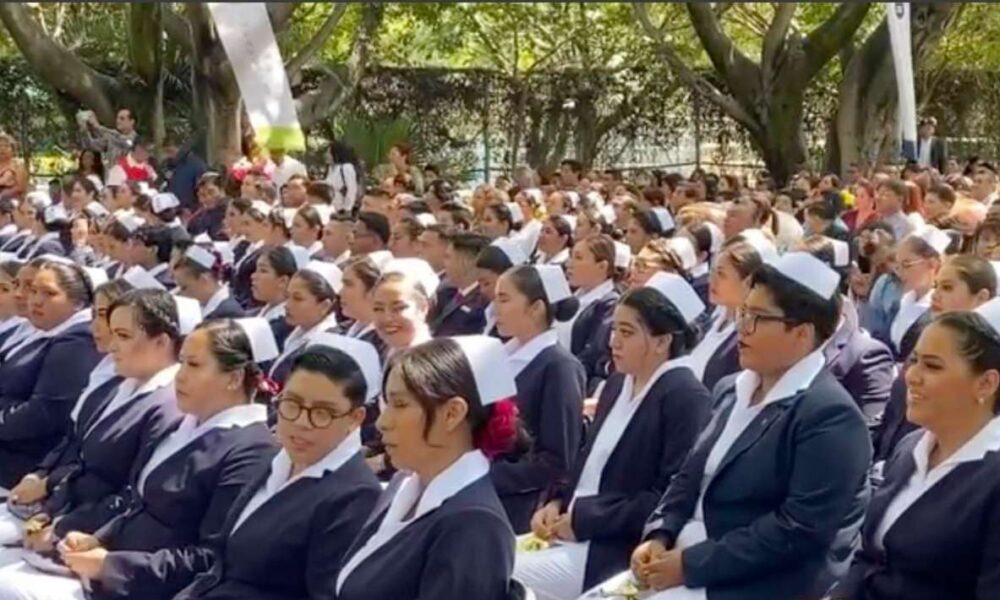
{"x":113,"y":144}
{"x":931,"y":151}
{"x":344,"y":176}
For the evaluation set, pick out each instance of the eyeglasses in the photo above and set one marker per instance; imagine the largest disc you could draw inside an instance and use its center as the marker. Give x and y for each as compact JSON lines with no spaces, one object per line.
{"x":906,"y":264}
{"x":319,"y":417}
{"x":748,"y":321}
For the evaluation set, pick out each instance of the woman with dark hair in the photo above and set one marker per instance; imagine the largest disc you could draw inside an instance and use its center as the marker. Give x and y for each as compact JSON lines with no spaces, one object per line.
{"x":182,"y":486}
{"x":151,"y":248}
{"x":707,"y":240}
{"x":500,"y":221}
{"x":495,"y":260}
{"x":10,"y":319}
{"x":786,"y":440}
{"x":551,"y":384}
{"x":127,"y":404}
{"x":80,"y":192}
{"x":647,"y":225}
{"x":307,"y":228}
{"x":311,"y":309}
{"x":281,"y":220}
{"x":648,"y":416}
{"x":255,"y":228}
{"x":275,"y":269}
{"x":591,"y":272}
{"x":918,"y":259}
{"x":555,"y":241}
{"x":212,"y":207}
{"x":26,"y":217}
{"x":201,"y":275}
{"x":933,"y":527}
{"x":439,"y":530}
{"x":356,"y":301}
{"x":90,"y":163}
{"x":43,"y":373}
{"x":401,"y":301}
{"x":405,"y":172}
{"x":55,"y":238}
{"x":289,"y":529}
{"x":344,"y":176}
{"x":22,"y":294}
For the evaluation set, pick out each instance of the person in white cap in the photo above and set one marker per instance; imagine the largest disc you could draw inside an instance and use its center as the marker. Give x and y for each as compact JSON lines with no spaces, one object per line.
{"x":256,"y":228}
{"x":44,"y":370}
{"x":717,"y":354}
{"x":307,"y":228}
{"x":918,"y":259}
{"x":529,"y":201}
{"x":647,"y":225}
{"x":594,"y":221}
{"x":964,"y":283}
{"x":657,"y":256}
{"x":786,"y":439}
{"x":269,"y":284}
{"x":129,"y":401}
{"x":551,"y":384}
{"x":555,"y":241}
{"x":401,"y":302}
{"x":290,"y":527}
{"x":361,"y":274}
{"x":201,"y":275}
{"x":188,"y":480}
{"x":501,"y":220}
{"x":151,"y":248}
{"x":648,"y":417}
{"x":461,"y":309}
{"x":439,"y":530}
{"x":931,"y":527}
{"x":560,"y":203}
{"x":52,"y":234}
{"x":495,"y":260}
{"x":707,"y":240}
{"x":591,"y":272}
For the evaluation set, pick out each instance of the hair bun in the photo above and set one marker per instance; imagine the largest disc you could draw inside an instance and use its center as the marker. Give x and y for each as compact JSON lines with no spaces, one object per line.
{"x":499,"y":434}
{"x":566,"y":309}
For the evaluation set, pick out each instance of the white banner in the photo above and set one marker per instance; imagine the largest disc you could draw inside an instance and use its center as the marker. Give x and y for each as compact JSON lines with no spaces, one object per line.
{"x":246,"y":34}
{"x":898,"y":18}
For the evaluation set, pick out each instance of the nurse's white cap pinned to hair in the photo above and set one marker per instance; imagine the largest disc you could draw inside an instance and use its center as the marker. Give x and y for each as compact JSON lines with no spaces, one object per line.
{"x":164,"y":201}
{"x":39,"y":199}
{"x":426,"y":219}
{"x":202,"y":238}
{"x":263,"y":346}
{"x":990,"y":310}
{"x":759,"y":241}
{"x":380,"y":258}
{"x":516,"y":215}
{"x":141,"y":279}
{"x":512,"y":250}
{"x":188,"y":313}
{"x":933,"y":237}
{"x":225,"y":252}
{"x":361,"y":352}
{"x":130,"y":221}
{"x":96,"y":276}
{"x":300,"y":255}
{"x":417,"y":269}
{"x":330,"y":273}
{"x":261,"y":207}
{"x":663,"y":218}
{"x":996,"y":269}
{"x":553,"y":282}
{"x":490,"y":367}
{"x":570,"y":220}
{"x":573,"y":197}
{"x":717,"y":237}
{"x":535,"y":195}
{"x":679,"y":292}
{"x":685,"y":251}
{"x":56,"y":212}
{"x":841,"y":253}
{"x":201,"y":257}
{"x":623,"y":255}
{"x":808,"y":271}
{"x":96,"y":210}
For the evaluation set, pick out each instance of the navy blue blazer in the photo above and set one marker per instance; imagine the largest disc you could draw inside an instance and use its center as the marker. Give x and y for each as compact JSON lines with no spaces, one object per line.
{"x":863,"y":365}
{"x":242,"y":285}
{"x":724,"y":362}
{"x":100,"y":455}
{"x":227,"y":309}
{"x":591,"y":338}
{"x":290,"y":547}
{"x":162,"y":540}
{"x":909,"y":341}
{"x":208,"y":221}
{"x":281,"y":329}
{"x":701,"y":287}
{"x":649,"y":453}
{"x":239,"y":249}
{"x":550,"y":393}
{"x":166,"y":279}
{"x":894,"y":425}
{"x":16,"y":243}
{"x":945,"y":545}
{"x":34,"y":404}
{"x":785,"y":503}
{"x":54,"y":247}
{"x":461,"y":315}
{"x":462,"y":550}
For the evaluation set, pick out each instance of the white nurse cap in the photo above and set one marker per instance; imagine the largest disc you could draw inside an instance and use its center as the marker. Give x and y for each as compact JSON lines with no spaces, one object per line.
{"x":809,"y":271}
{"x":141,"y":279}
{"x":678,"y":292}
{"x":361,"y":352}
{"x":553,"y":282}
{"x":490,"y":367}
{"x":417,"y":269}
{"x":330,"y":273}
{"x":263,"y":346}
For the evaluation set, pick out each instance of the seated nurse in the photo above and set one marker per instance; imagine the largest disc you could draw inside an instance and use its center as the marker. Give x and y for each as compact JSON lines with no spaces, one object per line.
{"x":933,"y":527}
{"x":10,"y":320}
{"x":182,"y":486}
{"x":769,"y":500}
{"x":22,"y":292}
{"x":35,"y":405}
{"x":649,"y":414}
{"x":200,"y":274}
{"x":439,"y":530}
{"x":289,"y":529}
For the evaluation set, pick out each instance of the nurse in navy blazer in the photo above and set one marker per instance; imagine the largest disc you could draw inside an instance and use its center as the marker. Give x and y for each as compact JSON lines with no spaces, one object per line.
{"x":918,"y":259}
{"x":933,"y":527}
{"x":255,"y":227}
{"x":495,"y":260}
{"x":963,"y":283}
{"x":464,"y":311}
{"x":356,"y":299}
{"x":182,"y":486}
{"x":34,"y":405}
{"x":439,"y":530}
{"x":551,"y":384}
{"x":10,"y":319}
{"x":200,"y":275}
{"x":274,"y":271}
{"x":591,"y":271}
{"x":649,"y":414}
{"x":287,"y":532}
{"x":769,"y":500}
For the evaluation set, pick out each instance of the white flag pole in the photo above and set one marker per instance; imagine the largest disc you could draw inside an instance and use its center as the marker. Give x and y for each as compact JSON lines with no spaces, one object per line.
{"x":898,"y":19}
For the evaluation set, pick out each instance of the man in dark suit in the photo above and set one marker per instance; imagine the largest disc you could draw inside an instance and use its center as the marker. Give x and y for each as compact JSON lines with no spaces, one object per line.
{"x":464,"y":312}
{"x":931,"y":151}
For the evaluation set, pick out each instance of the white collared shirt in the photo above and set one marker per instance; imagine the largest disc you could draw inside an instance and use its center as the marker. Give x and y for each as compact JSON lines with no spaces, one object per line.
{"x":131,"y":389}
{"x":273,"y":312}
{"x":720,"y":330}
{"x":101,"y":374}
{"x":8,"y":229}
{"x":465,"y":471}
{"x":491,"y":317}
{"x":24,"y":330}
{"x":249,"y":251}
{"x":11,"y":322}
{"x":281,"y":471}
{"x":300,"y":337}
{"x":922,"y":480}
{"x":36,"y":246}
{"x":521,"y":356}
{"x":357,"y":329}
{"x":83,"y":316}
{"x":213,"y":303}
{"x":699,"y":270}
{"x":559,"y":258}
{"x":189,"y":430}
{"x":160,"y":268}
{"x":21,"y":234}
{"x":565,"y":328}
{"x":911,"y":308}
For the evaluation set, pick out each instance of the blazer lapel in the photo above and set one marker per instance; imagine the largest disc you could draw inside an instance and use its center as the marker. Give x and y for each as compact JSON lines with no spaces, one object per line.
{"x":244,"y":497}
{"x":884,"y":495}
{"x":757,"y":428}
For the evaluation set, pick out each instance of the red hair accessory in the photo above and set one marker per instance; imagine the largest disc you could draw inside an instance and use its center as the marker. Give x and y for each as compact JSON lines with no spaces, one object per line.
{"x":500,"y":433}
{"x":266,"y":385}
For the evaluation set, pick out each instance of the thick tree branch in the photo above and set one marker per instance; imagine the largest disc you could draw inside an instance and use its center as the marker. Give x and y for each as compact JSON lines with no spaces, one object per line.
{"x":281,"y":14}
{"x":741,"y":75}
{"x":318,"y":40}
{"x":57,"y":66}
{"x":178,"y":29}
{"x":826,"y":40}
{"x":688,"y":77}
{"x":774,"y":41}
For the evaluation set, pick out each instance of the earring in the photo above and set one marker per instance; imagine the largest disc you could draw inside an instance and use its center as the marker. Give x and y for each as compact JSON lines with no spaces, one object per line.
{"x":981,"y":401}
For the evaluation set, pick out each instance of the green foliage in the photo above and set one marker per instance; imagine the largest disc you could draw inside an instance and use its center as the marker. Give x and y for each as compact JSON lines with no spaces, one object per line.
{"x":372,"y":138}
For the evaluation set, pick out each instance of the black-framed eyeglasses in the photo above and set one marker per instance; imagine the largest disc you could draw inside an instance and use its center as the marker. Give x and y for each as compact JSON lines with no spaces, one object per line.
{"x":748,"y":321}
{"x":319,"y":417}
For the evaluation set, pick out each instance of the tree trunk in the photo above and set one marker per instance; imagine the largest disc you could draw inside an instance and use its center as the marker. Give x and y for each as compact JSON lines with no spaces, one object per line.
{"x":217,"y":95}
{"x":783,"y":145}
